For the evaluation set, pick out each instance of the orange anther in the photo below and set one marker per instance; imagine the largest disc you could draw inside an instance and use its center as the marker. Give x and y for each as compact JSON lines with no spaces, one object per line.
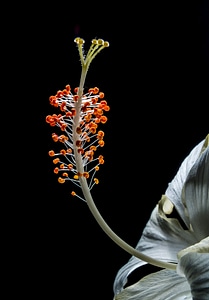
{"x":89,"y":154}
{"x":95,"y":90}
{"x":86,"y":174}
{"x":100,"y":135}
{"x":65,"y":174}
{"x":94,"y":100}
{"x":63,"y":126}
{"x":63,"y":106}
{"x":56,"y":170}
{"x":97,"y":120}
{"x":91,"y":90}
{"x":68,"y":88}
{"x":56,"y":160}
{"x":63,"y":151}
{"x":88,"y":117}
{"x":96,"y":168}
{"x":93,"y":125}
{"x":106,"y":108}
{"x":52,"y":98}
{"x":48,"y":119}
{"x":70,"y":166}
{"x":86,"y":104}
{"x":84,"y":109}
{"x":80,"y":150}
{"x":93,"y":130}
{"x":98,"y":112}
{"x":101,"y":159}
{"x":76,"y":90}
{"x":101,"y":95}
{"x":55,"y":137}
{"x":78,"y":130}
{"x":51,"y":153}
{"x":73,"y":193}
{"x":65,"y":92}
{"x":96,"y":180}
{"x":62,"y":166}
{"x":63,"y":138}
{"x":69,"y":150}
{"x":75,"y":177}
{"x":61,"y":180}
{"x":59,"y":94}
{"x":78,"y":143}
{"x":103,"y":119}
{"x":53,"y":101}
{"x":75,"y":97}
{"x":101,"y":143}
{"x":94,"y":148}
{"x":73,"y":111}
{"x":68,"y":114}
{"x":103,"y":102}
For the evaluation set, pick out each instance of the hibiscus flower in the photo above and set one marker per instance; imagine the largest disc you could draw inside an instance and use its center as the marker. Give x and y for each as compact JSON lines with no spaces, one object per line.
{"x":166,"y":239}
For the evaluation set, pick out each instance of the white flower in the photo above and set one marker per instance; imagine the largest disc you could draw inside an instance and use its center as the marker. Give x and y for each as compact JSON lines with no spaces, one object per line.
{"x":166,"y":239}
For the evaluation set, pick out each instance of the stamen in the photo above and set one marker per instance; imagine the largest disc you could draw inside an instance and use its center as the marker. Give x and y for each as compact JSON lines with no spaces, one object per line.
{"x":91,"y":114}
{"x":80,"y":118}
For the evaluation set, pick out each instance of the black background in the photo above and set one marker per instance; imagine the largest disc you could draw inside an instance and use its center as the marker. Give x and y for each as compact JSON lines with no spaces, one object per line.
{"x":155,"y":78}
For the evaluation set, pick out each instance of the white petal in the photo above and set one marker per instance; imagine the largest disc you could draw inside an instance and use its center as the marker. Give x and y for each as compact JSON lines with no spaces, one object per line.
{"x":201,"y":247}
{"x":174,"y":189}
{"x":162,"y":285}
{"x":196,"y":195}
{"x":162,"y":239}
{"x":196,"y":269}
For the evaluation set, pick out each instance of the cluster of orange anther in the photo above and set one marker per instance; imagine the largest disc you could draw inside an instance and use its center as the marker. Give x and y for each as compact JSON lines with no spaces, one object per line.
{"x":88,"y":137}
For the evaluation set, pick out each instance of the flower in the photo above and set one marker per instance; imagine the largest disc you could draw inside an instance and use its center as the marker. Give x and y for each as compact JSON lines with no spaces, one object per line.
{"x":183,"y":241}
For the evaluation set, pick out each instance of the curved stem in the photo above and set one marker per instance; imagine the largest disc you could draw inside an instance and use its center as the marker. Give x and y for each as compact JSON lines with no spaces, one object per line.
{"x":87,"y":194}
{"x":115,"y":237}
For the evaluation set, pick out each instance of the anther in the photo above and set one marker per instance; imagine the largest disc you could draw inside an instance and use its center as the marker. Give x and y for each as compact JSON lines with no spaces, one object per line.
{"x":51,"y":153}
{"x":56,"y":170}
{"x":56,"y":160}
{"x":86,"y":174}
{"x":63,"y":151}
{"x":61,"y":180}
{"x":78,"y":143}
{"x":70,"y":166}
{"x":101,"y":95}
{"x":78,"y":130}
